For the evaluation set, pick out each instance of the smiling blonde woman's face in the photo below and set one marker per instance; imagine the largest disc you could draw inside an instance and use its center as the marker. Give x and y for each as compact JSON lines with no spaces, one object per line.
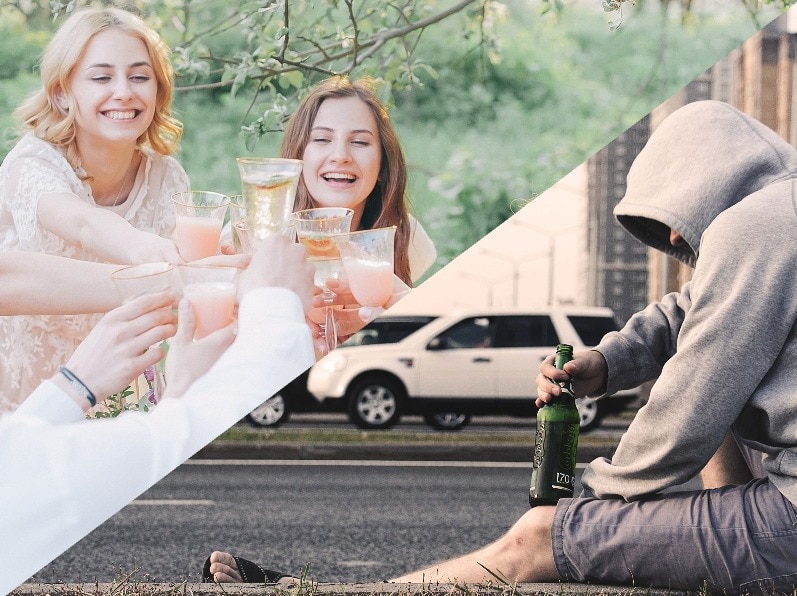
{"x":114,"y":90}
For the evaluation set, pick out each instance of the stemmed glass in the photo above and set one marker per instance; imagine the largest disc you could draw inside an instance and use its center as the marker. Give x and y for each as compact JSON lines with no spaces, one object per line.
{"x":367,"y":258}
{"x":269,"y":189}
{"x":315,"y":229}
{"x":239,"y":226}
{"x":137,"y":280}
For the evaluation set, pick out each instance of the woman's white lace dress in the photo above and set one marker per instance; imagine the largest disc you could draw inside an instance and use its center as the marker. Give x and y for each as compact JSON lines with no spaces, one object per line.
{"x":33,"y":347}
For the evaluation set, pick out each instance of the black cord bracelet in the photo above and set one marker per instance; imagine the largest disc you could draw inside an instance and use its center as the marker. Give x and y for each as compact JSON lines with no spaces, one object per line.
{"x":79,"y":385}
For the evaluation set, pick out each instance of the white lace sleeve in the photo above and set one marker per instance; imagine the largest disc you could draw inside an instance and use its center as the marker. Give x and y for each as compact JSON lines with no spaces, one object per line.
{"x":31,"y":169}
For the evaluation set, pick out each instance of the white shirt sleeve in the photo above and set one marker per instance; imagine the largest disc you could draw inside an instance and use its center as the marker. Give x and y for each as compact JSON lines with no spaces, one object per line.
{"x":57,"y":484}
{"x":50,"y":404}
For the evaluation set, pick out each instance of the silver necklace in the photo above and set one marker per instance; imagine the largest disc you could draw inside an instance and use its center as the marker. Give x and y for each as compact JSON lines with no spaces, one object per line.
{"x":121,"y":188}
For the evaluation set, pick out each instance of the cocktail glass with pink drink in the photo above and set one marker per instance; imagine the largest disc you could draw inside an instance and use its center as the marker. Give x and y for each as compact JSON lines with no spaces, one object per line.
{"x":211,"y":291}
{"x":199,"y":215}
{"x":367,"y":258}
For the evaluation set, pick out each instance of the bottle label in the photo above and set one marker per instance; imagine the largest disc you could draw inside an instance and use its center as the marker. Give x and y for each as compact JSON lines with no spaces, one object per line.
{"x":554,"y":466}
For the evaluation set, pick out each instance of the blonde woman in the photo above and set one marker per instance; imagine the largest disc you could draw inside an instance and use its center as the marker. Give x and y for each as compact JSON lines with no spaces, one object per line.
{"x":90,"y":178}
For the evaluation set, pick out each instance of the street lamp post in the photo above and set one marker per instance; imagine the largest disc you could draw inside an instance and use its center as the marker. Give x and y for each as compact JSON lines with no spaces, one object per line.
{"x":551,"y":236}
{"x":515,"y":262}
{"x":487,"y":282}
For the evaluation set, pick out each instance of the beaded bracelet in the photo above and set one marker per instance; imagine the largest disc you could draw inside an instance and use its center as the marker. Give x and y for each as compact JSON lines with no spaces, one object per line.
{"x":79,"y":385}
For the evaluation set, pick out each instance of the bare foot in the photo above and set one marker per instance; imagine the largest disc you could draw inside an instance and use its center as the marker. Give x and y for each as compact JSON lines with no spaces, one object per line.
{"x":224,"y":568}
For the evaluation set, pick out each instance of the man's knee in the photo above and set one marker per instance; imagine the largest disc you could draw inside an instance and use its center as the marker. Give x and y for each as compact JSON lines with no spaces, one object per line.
{"x":532,"y":530}
{"x":526,"y":550}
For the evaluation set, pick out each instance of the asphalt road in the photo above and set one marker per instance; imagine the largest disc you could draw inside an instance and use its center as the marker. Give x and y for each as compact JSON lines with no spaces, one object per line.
{"x":350,"y":523}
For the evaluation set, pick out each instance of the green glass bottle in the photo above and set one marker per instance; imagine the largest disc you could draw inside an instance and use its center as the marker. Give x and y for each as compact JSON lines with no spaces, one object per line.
{"x":553,"y":472}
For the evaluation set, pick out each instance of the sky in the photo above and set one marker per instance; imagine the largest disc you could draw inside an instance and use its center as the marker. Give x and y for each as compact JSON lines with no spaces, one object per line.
{"x":511,"y":266}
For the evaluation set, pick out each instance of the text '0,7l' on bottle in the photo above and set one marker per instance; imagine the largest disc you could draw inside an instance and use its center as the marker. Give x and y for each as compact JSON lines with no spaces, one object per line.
{"x":553,"y":472}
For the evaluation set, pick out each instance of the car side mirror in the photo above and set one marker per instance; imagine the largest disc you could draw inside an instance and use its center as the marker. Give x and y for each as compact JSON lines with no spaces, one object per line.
{"x":438,"y":343}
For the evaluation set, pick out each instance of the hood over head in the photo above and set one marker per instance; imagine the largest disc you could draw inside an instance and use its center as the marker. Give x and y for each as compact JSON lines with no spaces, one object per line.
{"x":702,"y":159}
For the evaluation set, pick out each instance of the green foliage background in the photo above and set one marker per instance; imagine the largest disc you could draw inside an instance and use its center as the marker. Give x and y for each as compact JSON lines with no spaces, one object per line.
{"x":485,"y":127}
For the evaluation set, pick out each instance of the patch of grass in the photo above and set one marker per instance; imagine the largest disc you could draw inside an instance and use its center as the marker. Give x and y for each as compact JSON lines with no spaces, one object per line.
{"x":355,"y":436}
{"x":312,"y":588}
{"x":283,"y":435}
{"x":131,"y":584}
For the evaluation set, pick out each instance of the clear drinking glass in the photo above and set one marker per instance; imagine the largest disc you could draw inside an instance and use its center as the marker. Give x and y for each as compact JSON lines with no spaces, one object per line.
{"x":138,"y":280}
{"x":199,"y":215}
{"x":211,"y":291}
{"x":269,"y":189}
{"x":242,"y":238}
{"x":367,"y":258}
{"x":315,"y":229}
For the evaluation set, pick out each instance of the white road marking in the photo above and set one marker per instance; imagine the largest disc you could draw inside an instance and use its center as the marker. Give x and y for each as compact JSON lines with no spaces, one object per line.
{"x":355,"y":463}
{"x":180,"y":502}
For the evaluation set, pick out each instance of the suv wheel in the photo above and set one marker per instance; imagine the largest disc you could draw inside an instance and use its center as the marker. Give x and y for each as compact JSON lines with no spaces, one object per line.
{"x":374,"y":403}
{"x":590,"y":411}
{"x":447,"y":420}
{"x":272,"y":412}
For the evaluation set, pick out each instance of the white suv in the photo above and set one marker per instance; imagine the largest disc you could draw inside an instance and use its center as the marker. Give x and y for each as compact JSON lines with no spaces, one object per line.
{"x":451,"y":367}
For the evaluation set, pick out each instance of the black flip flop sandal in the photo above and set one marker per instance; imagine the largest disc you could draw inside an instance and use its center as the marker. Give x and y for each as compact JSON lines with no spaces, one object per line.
{"x":251,"y":573}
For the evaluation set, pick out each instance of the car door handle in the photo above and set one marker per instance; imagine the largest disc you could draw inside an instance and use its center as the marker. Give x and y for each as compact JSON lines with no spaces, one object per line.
{"x":482,"y":359}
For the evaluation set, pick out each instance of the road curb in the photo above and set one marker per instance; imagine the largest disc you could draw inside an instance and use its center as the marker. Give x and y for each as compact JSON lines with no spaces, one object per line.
{"x":372,"y":589}
{"x":401,"y":452}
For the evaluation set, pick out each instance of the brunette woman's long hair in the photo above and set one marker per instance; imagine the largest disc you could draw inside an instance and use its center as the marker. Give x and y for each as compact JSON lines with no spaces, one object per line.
{"x":42,"y":112}
{"x":387,"y":203}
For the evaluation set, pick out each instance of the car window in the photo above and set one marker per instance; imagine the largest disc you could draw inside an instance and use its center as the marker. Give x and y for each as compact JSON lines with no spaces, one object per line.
{"x":387,"y":331}
{"x":525,"y":331}
{"x":592,"y":329}
{"x":473,"y":332}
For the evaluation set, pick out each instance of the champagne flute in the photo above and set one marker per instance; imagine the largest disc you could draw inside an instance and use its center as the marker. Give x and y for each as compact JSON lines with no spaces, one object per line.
{"x":199,"y":215}
{"x":315,"y":229}
{"x":367,"y":258}
{"x":239,"y":226}
{"x":269,"y":189}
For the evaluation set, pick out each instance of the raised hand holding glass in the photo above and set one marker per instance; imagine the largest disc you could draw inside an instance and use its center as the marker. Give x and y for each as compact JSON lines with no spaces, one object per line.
{"x":135,"y":281}
{"x":315,"y":229}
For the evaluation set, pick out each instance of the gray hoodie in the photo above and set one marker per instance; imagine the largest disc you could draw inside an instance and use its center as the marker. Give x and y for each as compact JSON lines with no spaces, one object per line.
{"x":724,"y":348}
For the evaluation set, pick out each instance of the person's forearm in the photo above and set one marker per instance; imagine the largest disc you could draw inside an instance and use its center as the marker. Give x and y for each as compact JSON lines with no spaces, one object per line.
{"x":103,"y":233}
{"x":109,"y":237}
{"x":272,"y":348}
{"x":36,"y":284}
{"x":637,"y":353}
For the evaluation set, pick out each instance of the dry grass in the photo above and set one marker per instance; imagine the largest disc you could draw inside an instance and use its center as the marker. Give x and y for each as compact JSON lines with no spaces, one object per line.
{"x":129,"y":585}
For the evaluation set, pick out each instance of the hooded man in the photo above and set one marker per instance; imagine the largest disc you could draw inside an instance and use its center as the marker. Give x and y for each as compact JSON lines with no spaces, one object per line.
{"x":718,"y":190}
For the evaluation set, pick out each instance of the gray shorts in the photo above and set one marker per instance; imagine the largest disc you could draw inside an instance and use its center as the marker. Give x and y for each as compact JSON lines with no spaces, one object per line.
{"x":741,"y":539}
